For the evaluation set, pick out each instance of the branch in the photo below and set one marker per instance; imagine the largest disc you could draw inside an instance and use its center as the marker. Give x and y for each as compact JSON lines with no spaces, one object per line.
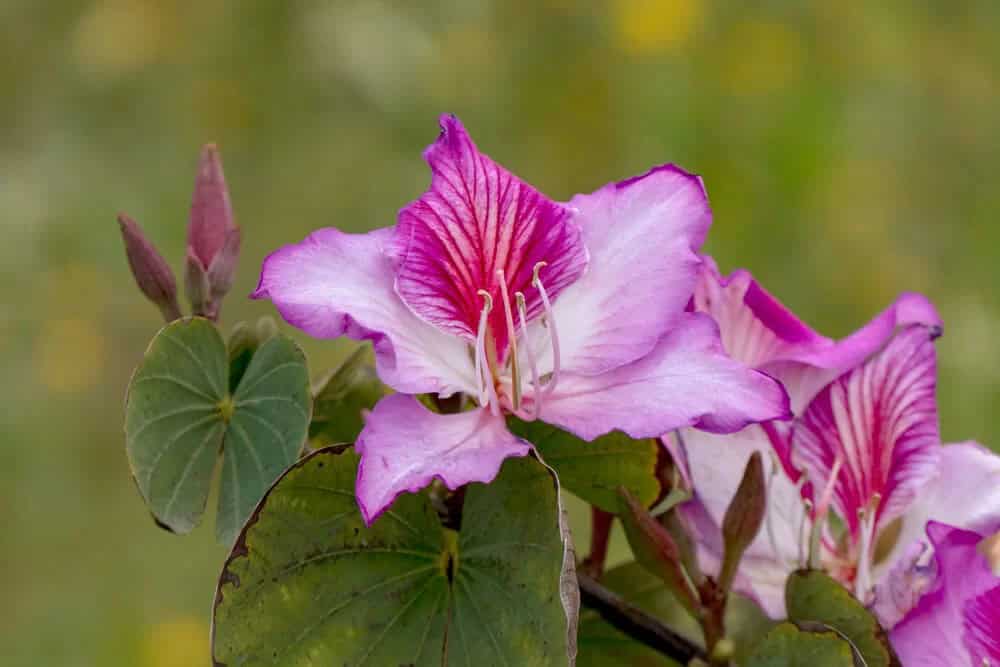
{"x":636,"y":623}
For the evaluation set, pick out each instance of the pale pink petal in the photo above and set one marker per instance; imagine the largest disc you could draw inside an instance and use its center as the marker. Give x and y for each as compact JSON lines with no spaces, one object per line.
{"x":964,"y":493}
{"x":933,"y":633}
{"x":686,"y":380}
{"x":909,"y":574}
{"x":336,"y":284}
{"x":404,"y":446}
{"x":475,"y":220}
{"x":643,"y":235}
{"x":880,"y":421}
{"x":756,"y":328}
{"x":761,"y":332}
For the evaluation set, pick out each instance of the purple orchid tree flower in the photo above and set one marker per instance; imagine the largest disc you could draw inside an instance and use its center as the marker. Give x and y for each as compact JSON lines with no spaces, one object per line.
{"x":571,"y":313}
{"x":956,"y":622}
{"x":864,"y":446}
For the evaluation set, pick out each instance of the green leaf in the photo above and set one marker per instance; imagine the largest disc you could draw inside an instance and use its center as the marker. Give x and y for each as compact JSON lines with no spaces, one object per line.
{"x":788,"y":646}
{"x":811,"y":595}
{"x":341,"y":397}
{"x":594,"y":470}
{"x":601,"y":644}
{"x":308,"y":584}
{"x":179,"y":414}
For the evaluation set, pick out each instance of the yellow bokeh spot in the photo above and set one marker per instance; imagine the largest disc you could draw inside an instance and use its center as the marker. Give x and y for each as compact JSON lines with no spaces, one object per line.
{"x":646,"y":27}
{"x":120,"y":36}
{"x":69,"y":356}
{"x":77,"y":289}
{"x":178,"y":642}
{"x":762,"y":57}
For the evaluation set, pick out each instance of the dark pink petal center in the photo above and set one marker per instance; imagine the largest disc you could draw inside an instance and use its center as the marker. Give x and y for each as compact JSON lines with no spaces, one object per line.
{"x":873,"y":432}
{"x":476,"y":223}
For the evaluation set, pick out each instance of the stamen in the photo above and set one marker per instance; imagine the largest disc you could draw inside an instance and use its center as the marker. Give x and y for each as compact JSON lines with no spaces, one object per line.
{"x":768,"y":515}
{"x":515,"y":371}
{"x":866,"y":516}
{"x":487,"y":392}
{"x":808,"y":507}
{"x":522,"y":311}
{"x":550,"y":323}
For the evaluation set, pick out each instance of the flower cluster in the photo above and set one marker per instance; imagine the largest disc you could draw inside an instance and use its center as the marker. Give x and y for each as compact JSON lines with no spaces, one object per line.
{"x":601,"y":314}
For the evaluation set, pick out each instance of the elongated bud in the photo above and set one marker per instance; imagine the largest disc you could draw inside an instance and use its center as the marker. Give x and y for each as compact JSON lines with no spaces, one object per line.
{"x":655,"y":549}
{"x":211,"y":212}
{"x":151,"y":272}
{"x":213,"y":237}
{"x":223,"y":268}
{"x":685,"y":545}
{"x":743,"y":519}
{"x":196,"y":286}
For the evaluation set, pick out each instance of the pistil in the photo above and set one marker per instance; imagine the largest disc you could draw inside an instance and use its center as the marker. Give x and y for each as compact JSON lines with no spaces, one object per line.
{"x":515,"y":371}
{"x":550,"y":323}
{"x":522,"y":312}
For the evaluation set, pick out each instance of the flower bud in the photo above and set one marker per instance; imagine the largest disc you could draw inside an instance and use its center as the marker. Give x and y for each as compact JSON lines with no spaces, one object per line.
{"x":743,"y":519}
{"x":223,"y":267}
{"x":151,"y":272}
{"x":655,"y":549}
{"x":196,"y":286}
{"x":211,"y":213}
{"x":213,"y":237}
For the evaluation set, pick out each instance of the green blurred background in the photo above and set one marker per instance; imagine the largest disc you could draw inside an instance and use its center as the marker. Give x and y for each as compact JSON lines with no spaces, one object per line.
{"x":849,"y":149}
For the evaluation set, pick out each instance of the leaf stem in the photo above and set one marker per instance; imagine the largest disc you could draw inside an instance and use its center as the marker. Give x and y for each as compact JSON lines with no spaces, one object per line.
{"x":636,"y":623}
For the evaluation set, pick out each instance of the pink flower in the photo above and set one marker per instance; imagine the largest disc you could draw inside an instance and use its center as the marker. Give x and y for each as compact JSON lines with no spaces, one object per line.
{"x":863,"y":447}
{"x":571,"y":313}
{"x":957,"y":621}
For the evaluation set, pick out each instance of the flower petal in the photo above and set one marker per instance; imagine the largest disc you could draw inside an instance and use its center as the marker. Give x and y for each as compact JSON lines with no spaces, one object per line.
{"x":965,"y":493}
{"x":756,"y":328}
{"x":404,"y":446}
{"x":932,"y":634}
{"x":879,"y":420}
{"x":335,"y":284}
{"x":686,"y":380}
{"x":761,"y":332}
{"x":643,"y":235}
{"x":982,"y":627}
{"x":478,"y":218}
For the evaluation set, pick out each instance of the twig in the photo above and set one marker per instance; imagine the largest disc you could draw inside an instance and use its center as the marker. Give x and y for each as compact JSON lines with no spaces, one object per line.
{"x":636,"y":623}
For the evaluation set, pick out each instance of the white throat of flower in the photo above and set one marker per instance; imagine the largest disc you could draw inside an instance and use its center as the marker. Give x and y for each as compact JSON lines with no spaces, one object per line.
{"x":486,"y":372}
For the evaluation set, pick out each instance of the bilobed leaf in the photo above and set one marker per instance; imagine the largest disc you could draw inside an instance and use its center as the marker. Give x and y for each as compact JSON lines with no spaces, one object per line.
{"x":179,"y":414}
{"x":308,"y":584}
{"x":594,"y":470}
{"x":788,"y":646}
{"x":812,"y":596}
{"x":341,"y":397}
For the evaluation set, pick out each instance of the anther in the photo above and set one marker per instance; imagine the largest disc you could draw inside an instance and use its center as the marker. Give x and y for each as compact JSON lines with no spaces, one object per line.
{"x":550,"y":322}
